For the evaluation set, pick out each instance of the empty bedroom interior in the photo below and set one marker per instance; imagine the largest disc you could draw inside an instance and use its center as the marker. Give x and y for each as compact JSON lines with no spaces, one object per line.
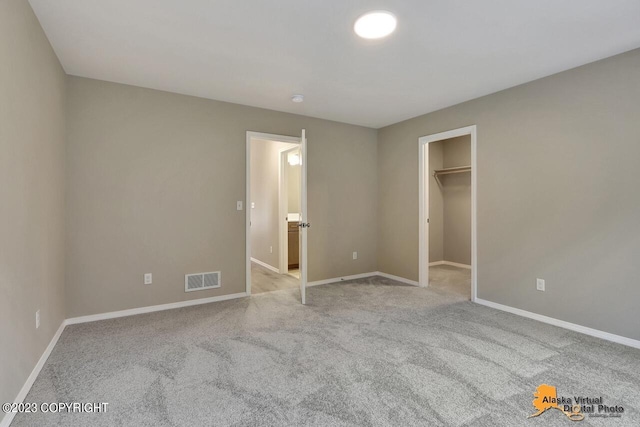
{"x":109,"y":174}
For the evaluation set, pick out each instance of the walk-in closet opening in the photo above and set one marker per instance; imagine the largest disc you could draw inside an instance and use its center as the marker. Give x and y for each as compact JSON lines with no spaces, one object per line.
{"x":450,"y":214}
{"x":447,"y":211}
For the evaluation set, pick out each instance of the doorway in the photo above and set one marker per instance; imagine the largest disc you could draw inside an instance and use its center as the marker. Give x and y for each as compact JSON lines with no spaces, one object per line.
{"x":276,"y":208}
{"x":448,"y":200}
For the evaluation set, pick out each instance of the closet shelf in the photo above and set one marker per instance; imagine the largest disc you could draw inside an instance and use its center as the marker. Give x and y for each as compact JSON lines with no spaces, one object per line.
{"x":447,"y":171}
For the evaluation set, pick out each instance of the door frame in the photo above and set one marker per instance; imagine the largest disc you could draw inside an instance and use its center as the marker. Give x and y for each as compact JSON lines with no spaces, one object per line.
{"x":423,"y":189}
{"x":283,"y":209}
{"x":251,"y":135}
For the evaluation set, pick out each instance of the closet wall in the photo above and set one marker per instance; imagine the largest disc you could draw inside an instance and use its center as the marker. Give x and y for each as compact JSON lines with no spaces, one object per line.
{"x":436,"y":204}
{"x":450,"y":202}
{"x":293,"y":178}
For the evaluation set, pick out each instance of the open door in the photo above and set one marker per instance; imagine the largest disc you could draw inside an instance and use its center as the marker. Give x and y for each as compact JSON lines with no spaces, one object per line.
{"x":303,"y":224}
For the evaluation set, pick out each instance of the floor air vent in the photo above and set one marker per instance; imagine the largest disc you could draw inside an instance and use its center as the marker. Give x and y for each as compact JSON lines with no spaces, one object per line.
{"x":200,"y":281}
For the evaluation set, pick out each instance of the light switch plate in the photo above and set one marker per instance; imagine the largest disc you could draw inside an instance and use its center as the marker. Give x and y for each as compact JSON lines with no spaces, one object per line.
{"x":355,"y":255}
{"x":540,"y":284}
{"x":148,"y":279}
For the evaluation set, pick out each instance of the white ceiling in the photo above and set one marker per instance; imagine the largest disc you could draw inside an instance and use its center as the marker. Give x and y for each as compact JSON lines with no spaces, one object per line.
{"x":260,"y":52}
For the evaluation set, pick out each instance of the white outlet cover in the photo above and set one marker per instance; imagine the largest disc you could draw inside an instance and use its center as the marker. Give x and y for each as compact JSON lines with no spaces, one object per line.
{"x":355,"y":255}
{"x":37,"y":319}
{"x":148,"y":279}
{"x":540,"y":284}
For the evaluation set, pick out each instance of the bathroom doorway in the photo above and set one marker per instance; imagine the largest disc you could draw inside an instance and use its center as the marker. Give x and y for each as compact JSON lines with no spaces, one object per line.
{"x":276,"y":205}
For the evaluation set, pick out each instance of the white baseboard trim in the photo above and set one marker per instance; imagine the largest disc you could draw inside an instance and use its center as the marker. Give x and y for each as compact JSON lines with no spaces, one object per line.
{"x":265,"y":265}
{"x":341,"y":279}
{"x":398,"y":278}
{"x":6,"y":421}
{"x":562,"y":324}
{"x":452,"y":264}
{"x":152,"y":308}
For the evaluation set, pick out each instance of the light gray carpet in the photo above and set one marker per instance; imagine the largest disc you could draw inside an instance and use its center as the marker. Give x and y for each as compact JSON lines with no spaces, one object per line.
{"x":366,"y":352}
{"x":451,"y":279}
{"x":265,"y":280}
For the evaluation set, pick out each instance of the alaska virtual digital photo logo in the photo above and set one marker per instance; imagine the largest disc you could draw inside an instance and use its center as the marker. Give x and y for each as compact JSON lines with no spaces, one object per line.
{"x":574,"y":408}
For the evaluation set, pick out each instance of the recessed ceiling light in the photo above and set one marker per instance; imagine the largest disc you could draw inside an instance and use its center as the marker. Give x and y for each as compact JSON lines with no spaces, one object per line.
{"x":297,"y":98}
{"x":375,"y":25}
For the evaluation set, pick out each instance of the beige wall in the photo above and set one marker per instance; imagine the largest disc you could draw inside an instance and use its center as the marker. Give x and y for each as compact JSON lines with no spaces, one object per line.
{"x":32,"y":136}
{"x":557,"y":193}
{"x":456,"y":191}
{"x":152,"y":183}
{"x":436,"y":204}
{"x":265,"y":172}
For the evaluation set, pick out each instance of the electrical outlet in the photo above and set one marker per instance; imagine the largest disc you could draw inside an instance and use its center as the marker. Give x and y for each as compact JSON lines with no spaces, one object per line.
{"x":270,"y":249}
{"x":148,"y":279}
{"x":540,"y":284}
{"x":355,"y":255}
{"x":239,"y":205}
{"x":37,"y":319}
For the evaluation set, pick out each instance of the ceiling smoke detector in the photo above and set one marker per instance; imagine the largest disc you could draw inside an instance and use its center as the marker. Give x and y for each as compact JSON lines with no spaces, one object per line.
{"x":375,"y":25}
{"x":297,"y":98}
